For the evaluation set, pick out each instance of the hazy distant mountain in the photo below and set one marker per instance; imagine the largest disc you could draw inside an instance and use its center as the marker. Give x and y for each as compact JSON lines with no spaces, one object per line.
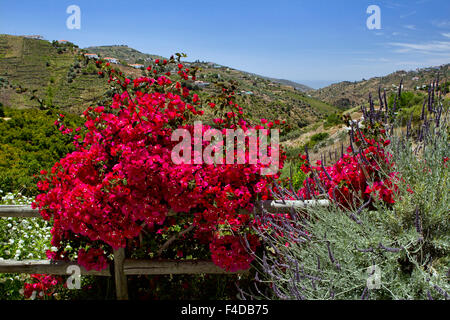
{"x":295,"y":85}
{"x":317,"y":84}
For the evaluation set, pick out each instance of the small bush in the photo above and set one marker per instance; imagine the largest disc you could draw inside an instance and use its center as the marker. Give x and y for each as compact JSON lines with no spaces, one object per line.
{"x":333,"y":120}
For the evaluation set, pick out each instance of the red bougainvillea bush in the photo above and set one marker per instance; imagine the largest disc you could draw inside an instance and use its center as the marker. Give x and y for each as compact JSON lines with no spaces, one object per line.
{"x":362,"y":173}
{"x":41,"y":285}
{"x":121,"y":185}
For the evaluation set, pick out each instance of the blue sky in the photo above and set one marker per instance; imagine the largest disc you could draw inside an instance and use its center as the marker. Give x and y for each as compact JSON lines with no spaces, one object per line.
{"x":313,"y":42}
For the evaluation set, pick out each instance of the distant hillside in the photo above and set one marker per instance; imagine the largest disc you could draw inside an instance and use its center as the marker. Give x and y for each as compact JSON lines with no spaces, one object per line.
{"x":131,"y":56}
{"x":264,"y":97}
{"x":350,"y":94}
{"x":58,"y":74}
{"x":294,"y":84}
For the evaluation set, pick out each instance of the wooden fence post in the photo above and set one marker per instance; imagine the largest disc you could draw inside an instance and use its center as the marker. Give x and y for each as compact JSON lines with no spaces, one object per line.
{"x":119,"y":275}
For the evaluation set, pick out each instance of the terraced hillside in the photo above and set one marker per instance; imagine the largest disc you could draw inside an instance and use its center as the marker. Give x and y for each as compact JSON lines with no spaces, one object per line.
{"x":56,"y":74}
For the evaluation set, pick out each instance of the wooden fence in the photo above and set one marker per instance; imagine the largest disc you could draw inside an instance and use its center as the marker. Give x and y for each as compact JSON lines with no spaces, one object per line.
{"x":123,"y":267}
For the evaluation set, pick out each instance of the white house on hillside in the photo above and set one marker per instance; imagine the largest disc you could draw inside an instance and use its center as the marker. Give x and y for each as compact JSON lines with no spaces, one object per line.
{"x":136,"y":65}
{"x":91,"y":55}
{"x":36,"y":37}
{"x":111,"y":60}
{"x":201,"y":84}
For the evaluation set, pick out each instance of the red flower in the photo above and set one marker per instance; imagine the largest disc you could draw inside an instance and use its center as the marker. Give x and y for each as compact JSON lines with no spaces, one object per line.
{"x":92,"y":259}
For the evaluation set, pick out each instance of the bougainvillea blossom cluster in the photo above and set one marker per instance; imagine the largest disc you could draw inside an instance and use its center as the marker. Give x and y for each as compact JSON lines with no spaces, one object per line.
{"x":121,"y":179}
{"x":41,"y":285}
{"x":356,"y":177}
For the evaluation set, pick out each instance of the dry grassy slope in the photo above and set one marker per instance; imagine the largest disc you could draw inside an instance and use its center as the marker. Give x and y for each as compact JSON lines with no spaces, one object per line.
{"x":337,"y":136}
{"x":350,"y":94}
{"x":329,"y":148}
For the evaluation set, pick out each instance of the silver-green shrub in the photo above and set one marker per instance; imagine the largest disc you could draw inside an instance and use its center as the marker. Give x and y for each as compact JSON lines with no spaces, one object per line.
{"x":376,"y":251}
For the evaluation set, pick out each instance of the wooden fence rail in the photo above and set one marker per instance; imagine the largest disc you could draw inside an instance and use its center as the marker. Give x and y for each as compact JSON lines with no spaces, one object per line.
{"x":45,"y":266}
{"x":124,"y":267}
{"x":130,"y":267}
{"x":19,"y":211}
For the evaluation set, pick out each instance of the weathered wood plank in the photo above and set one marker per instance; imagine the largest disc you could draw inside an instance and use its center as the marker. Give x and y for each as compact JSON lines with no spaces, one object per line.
{"x":119,"y":275}
{"x":19,"y":211}
{"x":130,"y":267}
{"x":275,"y":206}
{"x":45,"y":266}
{"x":25,"y":211}
{"x":161,"y":267}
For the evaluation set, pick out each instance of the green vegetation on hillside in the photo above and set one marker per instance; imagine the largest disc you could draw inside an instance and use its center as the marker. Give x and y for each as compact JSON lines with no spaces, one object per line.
{"x":29,"y":143}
